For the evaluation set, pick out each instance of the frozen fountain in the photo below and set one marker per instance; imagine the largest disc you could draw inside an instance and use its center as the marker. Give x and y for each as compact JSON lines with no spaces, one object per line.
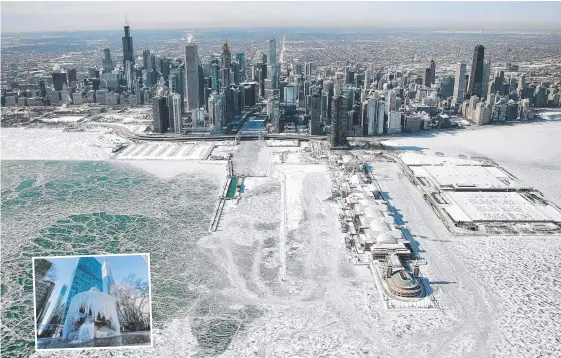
{"x":91,"y":315}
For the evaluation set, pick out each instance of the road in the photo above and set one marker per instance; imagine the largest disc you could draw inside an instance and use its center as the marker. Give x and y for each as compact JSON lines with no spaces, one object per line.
{"x":125,"y":132}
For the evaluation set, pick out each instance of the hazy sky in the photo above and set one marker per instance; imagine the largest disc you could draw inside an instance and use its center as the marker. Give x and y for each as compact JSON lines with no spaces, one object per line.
{"x":103,"y":15}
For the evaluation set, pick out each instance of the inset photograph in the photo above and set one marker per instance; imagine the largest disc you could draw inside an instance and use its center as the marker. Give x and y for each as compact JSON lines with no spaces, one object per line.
{"x":92,"y":301}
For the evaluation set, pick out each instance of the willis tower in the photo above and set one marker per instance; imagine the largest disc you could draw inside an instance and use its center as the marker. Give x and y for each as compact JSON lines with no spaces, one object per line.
{"x":128,"y":52}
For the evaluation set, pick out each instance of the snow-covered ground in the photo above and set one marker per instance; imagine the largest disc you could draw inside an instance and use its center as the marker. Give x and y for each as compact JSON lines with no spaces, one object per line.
{"x":63,"y":119}
{"x":498,"y":293}
{"x":284,"y":262}
{"x":165,"y":151}
{"x":53,"y":144}
{"x":530,"y":151}
{"x":215,"y":170}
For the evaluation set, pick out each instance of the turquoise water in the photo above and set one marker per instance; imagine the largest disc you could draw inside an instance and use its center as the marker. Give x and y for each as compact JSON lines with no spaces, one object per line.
{"x":75,"y":208}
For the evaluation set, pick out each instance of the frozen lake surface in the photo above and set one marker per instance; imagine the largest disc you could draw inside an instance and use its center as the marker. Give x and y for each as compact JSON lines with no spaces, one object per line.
{"x":275,"y":279}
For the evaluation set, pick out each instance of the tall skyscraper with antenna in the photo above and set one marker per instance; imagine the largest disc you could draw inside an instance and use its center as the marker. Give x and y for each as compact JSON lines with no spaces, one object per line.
{"x":128,"y":51}
{"x":476,"y":75}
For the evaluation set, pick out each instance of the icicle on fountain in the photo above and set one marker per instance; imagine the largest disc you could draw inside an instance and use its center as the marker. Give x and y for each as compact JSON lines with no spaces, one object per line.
{"x":87,"y":307}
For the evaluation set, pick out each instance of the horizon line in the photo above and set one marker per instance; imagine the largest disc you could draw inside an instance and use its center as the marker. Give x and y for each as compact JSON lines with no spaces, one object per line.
{"x":357,"y":27}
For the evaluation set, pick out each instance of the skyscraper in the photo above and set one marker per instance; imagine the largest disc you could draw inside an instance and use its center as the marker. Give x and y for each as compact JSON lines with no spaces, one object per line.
{"x":215,"y":77}
{"x":273,"y":63}
{"x":43,"y":288}
{"x":108,"y":64}
{"x":308,"y":69}
{"x":146,"y":59}
{"x":447,"y":87}
{"x":427,"y":77}
{"x":191,"y":76}
{"x":176,"y":84}
{"x":476,"y":75}
{"x":87,"y":274}
{"x":226,"y":56}
{"x":240,"y":58}
{"x":224,"y":77}
{"x":315,"y":113}
{"x":432,"y":67}
{"x":485,"y":78}
{"x":499,"y":80}
{"x":107,"y":277}
{"x":48,"y":328}
{"x":338,"y":121}
{"x":459,"y":83}
{"x":176,"y":114}
{"x":160,"y":115}
{"x":59,"y":79}
{"x":129,"y":75}
{"x":128,"y":51}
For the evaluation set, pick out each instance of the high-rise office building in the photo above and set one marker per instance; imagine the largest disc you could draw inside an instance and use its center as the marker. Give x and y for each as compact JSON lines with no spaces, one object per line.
{"x":43,"y":288}
{"x":289,"y":96}
{"x":71,"y":75}
{"x":240,"y":58}
{"x":86,"y":275}
{"x":49,"y":326}
{"x":485,"y":79}
{"x":459,"y":83}
{"x":427,"y":77}
{"x":273,"y":63}
{"x":176,"y":113}
{"x":447,"y":87}
{"x":226,"y":56}
{"x":42,"y":89}
{"x":128,"y":51}
{"x":160,"y":115}
{"x":521,"y":82}
{"x":192,"y":84}
{"x":315,"y":113}
{"x":108,"y":64}
{"x":432,"y":67}
{"x":56,"y":314}
{"x":338,"y":121}
{"x":476,"y":75}
{"x":176,"y":84}
{"x":129,"y":76}
{"x":308,"y":69}
{"x":146,"y":59}
{"x":498,"y":81}
{"x":107,"y":278}
{"x":224,"y":77}
{"x":59,"y":79}
{"x":201,"y":78}
{"x":215,"y":76}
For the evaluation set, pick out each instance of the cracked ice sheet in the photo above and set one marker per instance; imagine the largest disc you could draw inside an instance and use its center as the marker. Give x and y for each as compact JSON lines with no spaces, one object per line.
{"x":113,"y":203}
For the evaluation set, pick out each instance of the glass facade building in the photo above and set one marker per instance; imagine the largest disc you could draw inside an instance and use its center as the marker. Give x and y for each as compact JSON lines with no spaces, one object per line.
{"x":86,"y":275}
